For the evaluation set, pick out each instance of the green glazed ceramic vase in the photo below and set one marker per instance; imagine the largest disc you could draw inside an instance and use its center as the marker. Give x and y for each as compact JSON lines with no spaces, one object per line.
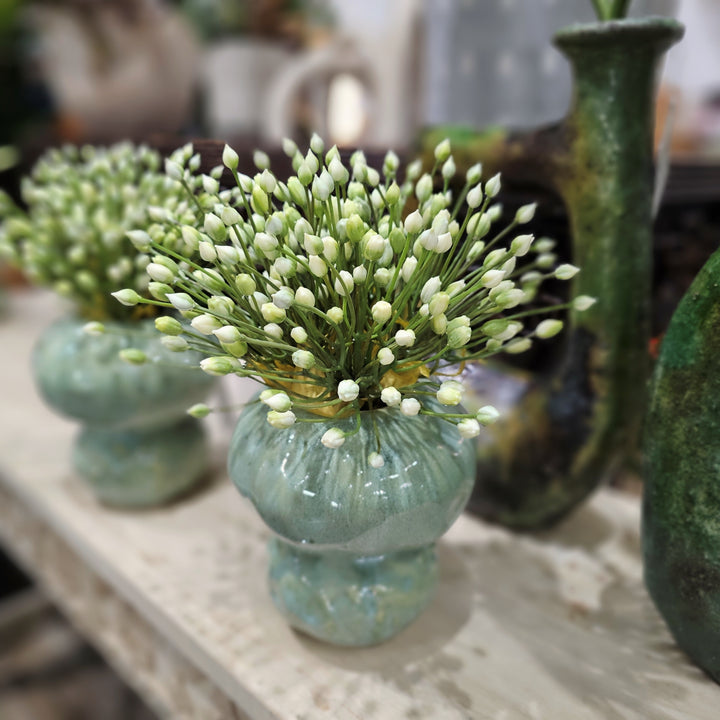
{"x":353,"y":559}
{"x":681,"y":503}
{"x":576,"y":425}
{"x":137,"y":446}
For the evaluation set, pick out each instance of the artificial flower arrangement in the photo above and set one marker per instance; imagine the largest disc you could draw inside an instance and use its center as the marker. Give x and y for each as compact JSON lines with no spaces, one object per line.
{"x":81,"y":203}
{"x":346,"y":289}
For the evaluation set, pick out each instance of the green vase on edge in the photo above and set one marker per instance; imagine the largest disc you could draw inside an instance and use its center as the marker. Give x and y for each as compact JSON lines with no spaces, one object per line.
{"x":353,"y":561}
{"x":137,"y":447}
{"x":681,"y":503}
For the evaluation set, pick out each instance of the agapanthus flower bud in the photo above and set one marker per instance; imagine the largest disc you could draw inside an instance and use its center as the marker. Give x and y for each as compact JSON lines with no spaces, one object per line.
{"x":468,"y":428}
{"x":432,"y":286}
{"x":210,"y":185}
{"x":140,"y":239}
{"x":281,"y":420}
{"x":424,"y":188}
{"x":273,"y":331}
{"x":133,"y":356}
{"x":215,"y":228}
{"x":303,"y":359}
{"x":391,"y":396}
{"x":199,"y":411}
{"x":548,"y":328}
{"x":333,"y":438}
{"x":405,"y":338}
{"x":385,"y":356}
{"x":207,"y":251}
{"x":450,"y":393}
{"x":381,"y":311}
{"x":525,"y":213}
{"x":230,"y":158}
{"x":93,"y":328}
{"x":127,"y":296}
{"x":414,"y":222}
{"x":317,"y":266}
{"x":458,"y":337}
{"x":168,"y":325}
{"x":443,"y":150}
{"x":283,"y":298}
{"x":336,"y":314}
{"x":359,"y":274}
{"x":408,"y":268}
{"x":444,"y":243}
{"x":375,"y":247}
{"x":583,"y":302}
{"x":348,"y":390}
{"x":205,"y":323}
{"x":272,"y":313}
{"x":410,"y":407}
{"x":566,"y":271}
{"x":344,"y":283}
{"x":492,"y":186}
{"x":492,"y":278}
{"x":375,"y":460}
{"x":487,"y":415}
{"x":521,"y":245}
{"x":261,"y":160}
{"x":174,"y":343}
{"x":299,"y":335}
{"x":180,"y":301}
{"x":276,"y":399}
{"x":474,"y":173}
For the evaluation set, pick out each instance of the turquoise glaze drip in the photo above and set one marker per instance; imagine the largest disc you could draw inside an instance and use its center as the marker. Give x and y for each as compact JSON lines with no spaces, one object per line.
{"x":353,"y":561}
{"x":137,"y":447}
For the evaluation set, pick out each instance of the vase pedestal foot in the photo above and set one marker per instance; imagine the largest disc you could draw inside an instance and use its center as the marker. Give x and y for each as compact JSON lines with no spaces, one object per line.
{"x":349,"y":599}
{"x":142,"y":468}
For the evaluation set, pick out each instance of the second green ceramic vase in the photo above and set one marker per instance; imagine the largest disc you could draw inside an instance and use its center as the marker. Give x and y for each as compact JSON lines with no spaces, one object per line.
{"x":137,"y":447}
{"x":353,"y":559}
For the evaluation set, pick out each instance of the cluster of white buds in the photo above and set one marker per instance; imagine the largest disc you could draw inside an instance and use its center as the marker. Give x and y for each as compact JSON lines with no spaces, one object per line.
{"x":81,"y":203}
{"x":346,"y":289}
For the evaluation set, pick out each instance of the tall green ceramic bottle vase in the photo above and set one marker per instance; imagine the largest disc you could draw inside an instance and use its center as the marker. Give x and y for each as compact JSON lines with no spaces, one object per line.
{"x":681,"y":504}
{"x":570,"y":428}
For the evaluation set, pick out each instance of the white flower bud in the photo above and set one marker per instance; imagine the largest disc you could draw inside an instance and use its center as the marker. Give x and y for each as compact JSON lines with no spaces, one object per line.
{"x":303,"y":359}
{"x":475,"y":197}
{"x":333,"y":438}
{"x":217,"y":366}
{"x":127,"y":297}
{"x":344,"y":283}
{"x":265,"y":243}
{"x":281,"y":420}
{"x":424,"y":188}
{"x":408,"y":268}
{"x":410,"y":407}
{"x":206,"y":324}
{"x":391,"y":396}
{"x":428,"y":239}
{"x":458,"y":337}
{"x":261,"y":160}
{"x":215,"y":228}
{"x":385,"y":356}
{"x":338,"y":171}
{"x":289,"y":147}
{"x":317,"y":266}
{"x":299,"y":335}
{"x":448,"y":169}
{"x":93,"y":328}
{"x":525,"y":214}
{"x":276,"y":400}
{"x":160,"y":273}
{"x":474,"y":173}
{"x":405,"y":338}
{"x":492,"y":186}
{"x":207,"y":251}
{"x":432,"y":286}
{"x":133,"y":356}
{"x":210,"y":185}
{"x":438,"y":303}
{"x":230,"y":158}
{"x":583,"y":302}
{"x":443,"y":150}
{"x":468,"y":428}
{"x":566,"y":271}
{"x":322,"y":186}
{"x":173,"y":169}
{"x":359,"y":274}
{"x":227,"y":334}
{"x":487,"y":415}
{"x":444,"y":243}
{"x":414,"y":222}
{"x":272,"y":313}
{"x":199,"y":410}
{"x":375,"y":460}
{"x":381,"y":311}
{"x":450,"y":393}
{"x":348,"y":390}
{"x":439,"y":324}
{"x":180,"y":301}
{"x":283,"y":298}
{"x":492,"y":278}
{"x":316,"y":144}
{"x":305,"y":297}
{"x":521,"y":245}
{"x":548,"y":328}
{"x":140,"y":239}
{"x":375,"y":247}
{"x":330,"y":248}
{"x":382,"y":277}
{"x":336,"y":314}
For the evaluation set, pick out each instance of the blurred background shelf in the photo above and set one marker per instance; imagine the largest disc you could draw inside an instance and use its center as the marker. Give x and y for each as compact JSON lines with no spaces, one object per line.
{"x":555,"y":626}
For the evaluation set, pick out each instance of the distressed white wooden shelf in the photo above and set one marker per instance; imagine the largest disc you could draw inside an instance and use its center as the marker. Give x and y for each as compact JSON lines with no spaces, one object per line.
{"x":554,"y":626}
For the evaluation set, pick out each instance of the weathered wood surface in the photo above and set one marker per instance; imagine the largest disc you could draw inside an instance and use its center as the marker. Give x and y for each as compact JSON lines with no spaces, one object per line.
{"x":551,"y":627}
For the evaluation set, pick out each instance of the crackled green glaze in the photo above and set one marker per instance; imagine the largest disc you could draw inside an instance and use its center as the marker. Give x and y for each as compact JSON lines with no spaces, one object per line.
{"x":137,"y":447}
{"x":573,"y":427}
{"x":681,"y":504}
{"x":353,"y":562}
